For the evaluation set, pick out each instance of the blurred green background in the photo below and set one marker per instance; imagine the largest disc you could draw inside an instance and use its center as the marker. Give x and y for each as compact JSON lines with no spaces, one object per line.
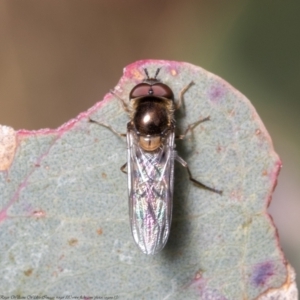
{"x":57,"y":58}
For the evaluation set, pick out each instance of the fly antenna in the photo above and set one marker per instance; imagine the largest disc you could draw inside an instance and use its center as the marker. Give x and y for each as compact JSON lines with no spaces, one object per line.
{"x":147,"y":74}
{"x":157,"y":71}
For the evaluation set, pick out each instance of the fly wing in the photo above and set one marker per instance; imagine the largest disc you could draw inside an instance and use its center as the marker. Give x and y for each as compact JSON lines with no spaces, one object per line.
{"x":150,"y":184}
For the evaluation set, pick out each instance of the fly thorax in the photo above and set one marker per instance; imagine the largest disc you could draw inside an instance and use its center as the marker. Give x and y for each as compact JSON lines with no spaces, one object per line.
{"x":151,"y":118}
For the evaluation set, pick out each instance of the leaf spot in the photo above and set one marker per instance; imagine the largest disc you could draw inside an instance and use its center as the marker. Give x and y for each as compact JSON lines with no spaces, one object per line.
{"x":73,"y":242}
{"x":262,"y":273}
{"x":28,"y":272}
{"x":216,"y":93}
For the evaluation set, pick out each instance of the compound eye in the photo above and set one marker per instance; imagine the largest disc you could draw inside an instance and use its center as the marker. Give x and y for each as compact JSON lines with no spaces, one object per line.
{"x":140,"y":90}
{"x":162,"y":90}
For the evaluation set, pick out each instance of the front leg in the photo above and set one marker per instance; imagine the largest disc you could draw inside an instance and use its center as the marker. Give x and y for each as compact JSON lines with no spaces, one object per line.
{"x":123,"y":168}
{"x":108,"y":126}
{"x":181,"y":94}
{"x":124,"y":104}
{"x":191,"y":127}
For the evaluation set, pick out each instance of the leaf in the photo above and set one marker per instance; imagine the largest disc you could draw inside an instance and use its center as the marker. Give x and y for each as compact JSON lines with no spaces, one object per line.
{"x":64,"y":220}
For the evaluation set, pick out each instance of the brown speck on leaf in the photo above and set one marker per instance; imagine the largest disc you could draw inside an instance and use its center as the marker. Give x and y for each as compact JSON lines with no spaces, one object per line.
{"x":104,"y":176}
{"x":73,"y":242}
{"x":264,"y":173}
{"x":138,"y":75}
{"x":219,"y":149}
{"x":173,"y":72}
{"x":61,"y":257}
{"x":12,"y":258}
{"x":28,"y":272}
{"x":257,"y":131}
{"x":231,"y":112}
{"x":60,"y":269}
{"x":99,"y":231}
{"x":198,"y":275}
{"x":39,"y":213}
{"x":247,"y":223}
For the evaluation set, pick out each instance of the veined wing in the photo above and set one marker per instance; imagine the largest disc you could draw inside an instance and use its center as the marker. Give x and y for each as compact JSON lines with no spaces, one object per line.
{"x":150,"y":184}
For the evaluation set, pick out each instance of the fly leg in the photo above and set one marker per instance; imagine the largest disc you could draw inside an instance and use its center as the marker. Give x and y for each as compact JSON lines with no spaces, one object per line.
{"x":178,"y":105}
{"x":201,"y":185}
{"x":191,"y":127}
{"x":184,"y":163}
{"x":108,"y":126}
{"x":181,"y":94}
{"x":114,"y":131}
{"x":124,"y":104}
{"x":123,"y":168}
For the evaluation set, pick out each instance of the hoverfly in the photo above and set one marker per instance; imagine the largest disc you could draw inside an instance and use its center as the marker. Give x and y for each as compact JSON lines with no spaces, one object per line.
{"x":151,"y":154}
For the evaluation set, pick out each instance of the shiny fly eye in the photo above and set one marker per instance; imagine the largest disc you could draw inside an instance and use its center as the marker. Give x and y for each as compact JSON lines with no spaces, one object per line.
{"x":140,"y":90}
{"x":162,"y":90}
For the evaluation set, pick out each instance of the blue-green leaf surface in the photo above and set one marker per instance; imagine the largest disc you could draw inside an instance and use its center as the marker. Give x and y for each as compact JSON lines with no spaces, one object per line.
{"x":64,"y":218}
